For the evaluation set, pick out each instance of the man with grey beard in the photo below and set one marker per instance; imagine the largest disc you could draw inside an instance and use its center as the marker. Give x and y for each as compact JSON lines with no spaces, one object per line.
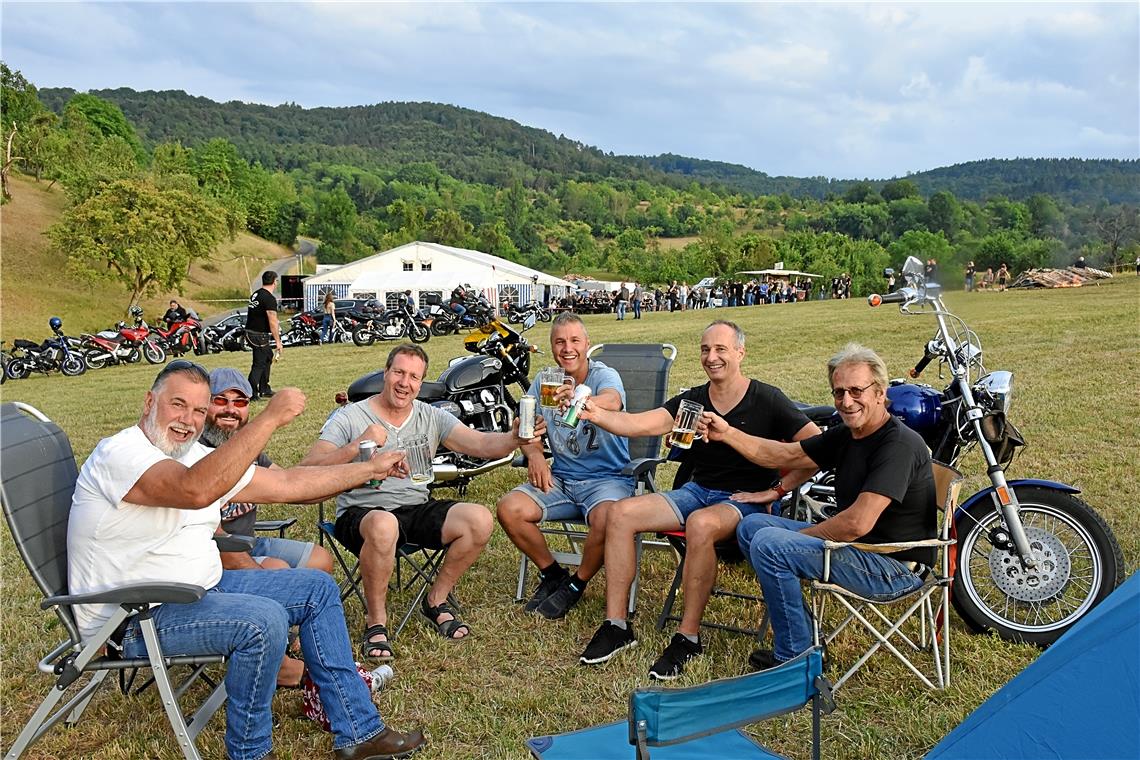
{"x":146,"y":505}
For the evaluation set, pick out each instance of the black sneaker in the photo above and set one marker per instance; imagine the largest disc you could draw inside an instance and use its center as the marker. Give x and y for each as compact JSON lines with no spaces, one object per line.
{"x":608,"y":641}
{"x":762,"y":659}
{"x":546,"y":587}
{"x":560,"y":601}
{"x":671,"y":663}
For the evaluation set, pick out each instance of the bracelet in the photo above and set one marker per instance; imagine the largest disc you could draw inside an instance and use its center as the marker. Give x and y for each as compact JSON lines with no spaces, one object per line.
{"x":781,"y":492}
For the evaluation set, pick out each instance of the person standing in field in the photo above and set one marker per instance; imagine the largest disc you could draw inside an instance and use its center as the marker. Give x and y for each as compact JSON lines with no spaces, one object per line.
{"x":263,"y":334}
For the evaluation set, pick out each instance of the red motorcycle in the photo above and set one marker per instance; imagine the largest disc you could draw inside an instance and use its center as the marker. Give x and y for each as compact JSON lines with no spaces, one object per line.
{"x":123,"y":345}
{"x":182,"y":336}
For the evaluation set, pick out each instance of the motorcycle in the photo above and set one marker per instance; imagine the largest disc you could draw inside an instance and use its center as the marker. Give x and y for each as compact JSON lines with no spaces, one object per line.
{"x":516,"y":314}
{"x":304,"y":329}
{"x":479,"y":312}
{"x":121,"y":345}
{"x":227,"y":335}
{"x":180,"y":337}
{"x":392,"y":324}
{"x":476,"y":389}
{"x":53,"y":354}
{"x":1033,"y":559}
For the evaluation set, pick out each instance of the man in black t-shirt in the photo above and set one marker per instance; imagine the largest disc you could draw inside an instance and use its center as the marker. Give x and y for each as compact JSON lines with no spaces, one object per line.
{"x":262,"y":332}
{"x":884,"y":490}
{"x":703,"y":506}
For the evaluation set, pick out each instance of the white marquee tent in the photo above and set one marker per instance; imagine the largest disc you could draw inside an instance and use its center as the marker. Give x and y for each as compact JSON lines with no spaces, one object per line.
{"x":433,"y":268}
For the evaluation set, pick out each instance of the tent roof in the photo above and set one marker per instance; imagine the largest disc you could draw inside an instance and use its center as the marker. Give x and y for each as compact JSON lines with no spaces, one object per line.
{"x":780,"y":273}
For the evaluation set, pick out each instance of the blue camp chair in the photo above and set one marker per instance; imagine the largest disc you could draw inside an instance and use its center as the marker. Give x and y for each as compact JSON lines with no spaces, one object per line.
{"x":699,"y":721}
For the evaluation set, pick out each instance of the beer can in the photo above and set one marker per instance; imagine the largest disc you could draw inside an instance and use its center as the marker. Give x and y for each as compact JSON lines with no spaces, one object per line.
{"x":380,"y":676}
{"x":366,"y":451}
{"x":570,"y":418}
{"x":527,"y":407}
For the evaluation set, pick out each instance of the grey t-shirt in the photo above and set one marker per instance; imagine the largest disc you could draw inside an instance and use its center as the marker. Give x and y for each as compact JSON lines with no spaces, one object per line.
{"x":349,"y":422}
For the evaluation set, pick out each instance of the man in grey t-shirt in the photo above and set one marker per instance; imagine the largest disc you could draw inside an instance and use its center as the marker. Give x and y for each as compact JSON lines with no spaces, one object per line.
{"x":372,"y":522}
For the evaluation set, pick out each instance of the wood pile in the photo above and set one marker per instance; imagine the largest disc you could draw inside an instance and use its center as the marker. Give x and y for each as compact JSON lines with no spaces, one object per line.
{"x":1069,"y":277}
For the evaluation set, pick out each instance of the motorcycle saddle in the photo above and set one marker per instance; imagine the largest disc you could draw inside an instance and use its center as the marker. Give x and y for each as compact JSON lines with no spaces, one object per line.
{"x":24,"y":344}
{"x":817,"y":414}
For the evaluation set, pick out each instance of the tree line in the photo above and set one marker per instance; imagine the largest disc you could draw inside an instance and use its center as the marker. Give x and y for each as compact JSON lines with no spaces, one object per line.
{"x":552,"y":203}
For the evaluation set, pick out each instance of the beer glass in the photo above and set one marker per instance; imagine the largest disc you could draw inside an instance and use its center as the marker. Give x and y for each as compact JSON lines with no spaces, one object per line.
{"x":549,"y":381}
{"x":685,"y":425}
{"x":418,"y":458}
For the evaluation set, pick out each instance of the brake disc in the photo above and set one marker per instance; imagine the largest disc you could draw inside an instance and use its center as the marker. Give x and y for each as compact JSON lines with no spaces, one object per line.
{"x":1032,"y":584}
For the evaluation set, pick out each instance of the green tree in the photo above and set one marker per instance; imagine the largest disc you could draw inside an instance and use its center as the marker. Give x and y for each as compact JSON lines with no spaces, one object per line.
{"x":19,"y":102}
{"x":944,"y":214}
{"x":138,"y":234}
{"x":333,"y":224}
{"x":105,"y":119}
{"x":897,"y":189}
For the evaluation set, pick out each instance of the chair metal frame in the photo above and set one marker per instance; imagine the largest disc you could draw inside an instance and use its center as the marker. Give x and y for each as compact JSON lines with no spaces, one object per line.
{"x":933,"y":619}
{"x":423,"y":564}
{"x":36,"y":500}
{"x":642,"y":467}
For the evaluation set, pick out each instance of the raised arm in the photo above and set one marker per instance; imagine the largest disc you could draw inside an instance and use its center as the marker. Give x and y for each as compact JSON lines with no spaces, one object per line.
{"x":325,"y":452}
{"x":653,"y":422}
{"x":299,"y":484}
{"x":762,"y":451}
{"x":171,"y":484}
{"x":492,"y":445}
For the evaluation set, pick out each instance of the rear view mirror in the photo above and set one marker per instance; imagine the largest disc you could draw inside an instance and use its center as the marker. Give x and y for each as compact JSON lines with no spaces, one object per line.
{"x":529,"y":321}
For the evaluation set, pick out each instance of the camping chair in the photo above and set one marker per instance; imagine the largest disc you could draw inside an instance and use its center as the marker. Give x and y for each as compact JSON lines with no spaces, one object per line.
{"x":37,"y":478}
{"x":697,"y":722}
{"x":644,"y":370}
{"x":422,"y":565}
{"x":933,"y":619}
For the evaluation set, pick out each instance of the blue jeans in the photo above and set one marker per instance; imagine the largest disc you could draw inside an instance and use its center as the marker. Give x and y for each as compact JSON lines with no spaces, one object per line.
{"x":326,"y":323}
{"x":782,"y":556}
{"x":247,"y":617}
{"x":637,"y":309}
{"x":621,"y":309}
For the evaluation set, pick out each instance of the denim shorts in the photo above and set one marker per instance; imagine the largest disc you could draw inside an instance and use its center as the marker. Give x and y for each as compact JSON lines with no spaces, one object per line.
{"x":573,"y":499}
{"x":690,"y":497}
{"x":296,"y":553}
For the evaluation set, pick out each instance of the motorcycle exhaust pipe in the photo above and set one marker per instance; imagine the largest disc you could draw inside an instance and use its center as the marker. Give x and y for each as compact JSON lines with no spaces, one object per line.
{"x":445,"y":473}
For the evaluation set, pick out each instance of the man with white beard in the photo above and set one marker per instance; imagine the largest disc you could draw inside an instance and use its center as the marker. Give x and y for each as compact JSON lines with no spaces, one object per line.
{"x":146,"y":505}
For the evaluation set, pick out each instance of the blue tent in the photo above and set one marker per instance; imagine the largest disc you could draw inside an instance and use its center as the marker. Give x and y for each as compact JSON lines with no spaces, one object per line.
{"x":1079,"y":699}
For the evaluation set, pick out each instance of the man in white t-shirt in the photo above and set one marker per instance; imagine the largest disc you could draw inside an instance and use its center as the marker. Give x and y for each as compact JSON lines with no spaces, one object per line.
{"x":372,"y":522}
{"x":146,"y":506}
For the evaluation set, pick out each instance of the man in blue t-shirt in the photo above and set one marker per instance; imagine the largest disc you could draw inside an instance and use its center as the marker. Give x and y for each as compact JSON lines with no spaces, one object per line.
{"x":582,"y":484}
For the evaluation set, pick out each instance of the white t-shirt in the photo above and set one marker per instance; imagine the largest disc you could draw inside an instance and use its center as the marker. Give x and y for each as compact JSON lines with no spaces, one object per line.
{"x":111,"y":542}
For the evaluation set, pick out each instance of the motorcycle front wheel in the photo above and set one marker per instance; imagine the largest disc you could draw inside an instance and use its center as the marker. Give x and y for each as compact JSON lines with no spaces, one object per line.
{"x":73,"y":365}
{"x":362,"y":336}
{"x":153,"y":353}
{"x":441,"y":327}
{"x":419,"y":333}
{"x":17,"y":369}
{"x":1079,"y":563}
{"x":545,"y":315}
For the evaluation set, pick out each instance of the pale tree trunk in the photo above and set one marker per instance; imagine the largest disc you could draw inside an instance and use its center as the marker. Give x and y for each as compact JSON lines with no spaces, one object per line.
{"x":9,"y":159}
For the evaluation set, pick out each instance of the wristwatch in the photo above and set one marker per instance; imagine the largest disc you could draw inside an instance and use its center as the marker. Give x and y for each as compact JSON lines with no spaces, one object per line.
{"x":781,"y":492}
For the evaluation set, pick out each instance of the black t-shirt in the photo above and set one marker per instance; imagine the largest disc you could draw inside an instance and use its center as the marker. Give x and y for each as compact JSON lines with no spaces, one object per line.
{"x":764,"y":411}
{"x":238,"y":517}
{"x":260,"y":304}
{"x":893,"y":462}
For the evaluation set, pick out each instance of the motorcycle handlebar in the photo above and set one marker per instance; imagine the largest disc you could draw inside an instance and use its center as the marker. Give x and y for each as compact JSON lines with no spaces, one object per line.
{"x":875,"y":299}
{"x":918,"y":368}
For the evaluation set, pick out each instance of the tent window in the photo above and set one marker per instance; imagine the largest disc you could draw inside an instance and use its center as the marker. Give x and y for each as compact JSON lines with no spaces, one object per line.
{"x":425,"y":266}
{"x":392,"y":299}
{"x":408,"y":265}
{"x":364,"y":295}
{"x":509,"y":294}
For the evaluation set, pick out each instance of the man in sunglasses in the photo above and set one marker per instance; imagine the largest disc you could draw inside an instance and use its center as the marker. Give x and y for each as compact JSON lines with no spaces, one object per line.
{"x":884,"y":490}
{"x":146,"y":506}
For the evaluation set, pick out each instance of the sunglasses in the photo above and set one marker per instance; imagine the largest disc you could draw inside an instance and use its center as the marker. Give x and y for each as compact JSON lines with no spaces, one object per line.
{"x":855,"y":392}
{"x":240,"y":403}
{"x":183,"y":365}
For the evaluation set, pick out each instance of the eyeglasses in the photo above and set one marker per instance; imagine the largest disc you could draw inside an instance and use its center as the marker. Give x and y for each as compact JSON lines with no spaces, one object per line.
{"x":856,"y":393}
{"x":240,"y":403}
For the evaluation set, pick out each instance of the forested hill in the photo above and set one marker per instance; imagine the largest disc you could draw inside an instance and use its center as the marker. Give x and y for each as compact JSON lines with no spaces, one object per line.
{"x":477,"y":147}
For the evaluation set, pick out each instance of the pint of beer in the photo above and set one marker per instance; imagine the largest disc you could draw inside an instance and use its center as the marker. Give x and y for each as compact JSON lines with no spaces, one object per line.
{"x":549,"y":381}
{"x":685,"y":425}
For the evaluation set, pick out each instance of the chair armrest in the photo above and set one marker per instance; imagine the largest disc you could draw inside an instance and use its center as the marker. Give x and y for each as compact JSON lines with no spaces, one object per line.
{"x":639,"y":467}
{"x":228,"y":542}
{"x":132,"y":593}
{"x":274,"y":526}
{"x":887,"y":548}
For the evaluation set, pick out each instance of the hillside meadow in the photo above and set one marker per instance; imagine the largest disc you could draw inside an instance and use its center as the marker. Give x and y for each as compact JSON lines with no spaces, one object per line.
{"x":1076,"y":359}
{"x":36,"y":283}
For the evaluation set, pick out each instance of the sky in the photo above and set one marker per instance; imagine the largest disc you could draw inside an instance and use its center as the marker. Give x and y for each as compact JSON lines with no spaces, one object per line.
{"x":844,"y":90}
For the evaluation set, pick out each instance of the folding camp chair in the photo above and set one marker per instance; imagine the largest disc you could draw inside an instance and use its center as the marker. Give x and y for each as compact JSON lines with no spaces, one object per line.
{"x":644,"y":370}
{"x":697,"y":722}
{"x":933,"y":620}
{"x":422,"y":566}
{"x":37,"y":478}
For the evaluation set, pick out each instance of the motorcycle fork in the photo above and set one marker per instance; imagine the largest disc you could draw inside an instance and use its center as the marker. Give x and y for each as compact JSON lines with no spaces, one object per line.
{"x":1003,"y":497}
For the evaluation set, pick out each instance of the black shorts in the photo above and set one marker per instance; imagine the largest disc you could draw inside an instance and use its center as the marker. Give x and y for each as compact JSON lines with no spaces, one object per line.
{"x":421,"y":524}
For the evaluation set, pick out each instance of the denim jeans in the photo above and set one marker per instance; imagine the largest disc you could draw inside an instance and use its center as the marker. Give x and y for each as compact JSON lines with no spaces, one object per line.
{"x":782,"y":556}
{"x":621,"y":309}
{"x":637,"y":309}
{"x":326,"y":327}
{"x":247,"y":617}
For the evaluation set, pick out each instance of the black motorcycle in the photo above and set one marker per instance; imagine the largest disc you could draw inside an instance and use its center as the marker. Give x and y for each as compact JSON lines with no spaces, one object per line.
{"x":227,"y":335}
{"x":55,"y":353}
{"x":393,"y":324}
{"x":476,"y":389}
{"x":516,"y":314}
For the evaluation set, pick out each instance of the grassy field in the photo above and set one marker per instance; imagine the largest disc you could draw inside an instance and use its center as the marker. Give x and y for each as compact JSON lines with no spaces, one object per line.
{"x":1076,"y":361}
{"x":36,"y":283}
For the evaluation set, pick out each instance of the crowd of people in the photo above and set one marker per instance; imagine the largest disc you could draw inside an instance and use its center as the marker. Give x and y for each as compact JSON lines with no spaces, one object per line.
{"x":194,"y":464}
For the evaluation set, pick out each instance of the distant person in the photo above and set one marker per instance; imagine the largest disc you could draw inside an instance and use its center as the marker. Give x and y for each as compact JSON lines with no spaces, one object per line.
{"x":329,"y":309}
{"x":891,"y":282}
{"x":1002,"y":277}
{"x":621,"y":301}
{"x":970,"y":269}
{"x":638,"y":294}
{"x":174,"y":314}
{"x":1080,"y":263}
{"x":263,"y":334}
{"x":458,"y":296}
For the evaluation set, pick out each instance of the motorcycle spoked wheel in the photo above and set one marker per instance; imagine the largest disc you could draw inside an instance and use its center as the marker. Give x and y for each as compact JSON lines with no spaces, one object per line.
{"x":1079,"y":563}
{"x":73,"y":365}
{"x":97,"y":358}
{"x":545,"y":316}
{"x":362,"y":336}
{"x":17,"y":369}
{"x":418,"y":333}
{"x":134,"y":356}
{"x":154,"y":353}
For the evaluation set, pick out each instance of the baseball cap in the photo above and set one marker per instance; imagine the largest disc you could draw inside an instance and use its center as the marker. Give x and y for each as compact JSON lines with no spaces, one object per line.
{"x":223,"y":379}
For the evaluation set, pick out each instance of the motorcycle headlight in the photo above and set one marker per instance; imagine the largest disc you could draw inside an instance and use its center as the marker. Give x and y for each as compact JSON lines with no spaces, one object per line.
{"x":997,"y":389}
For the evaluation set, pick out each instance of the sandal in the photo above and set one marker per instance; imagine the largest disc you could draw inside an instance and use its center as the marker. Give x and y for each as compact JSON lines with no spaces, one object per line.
{"x":368,"y":646}
{"x":448,"y":628}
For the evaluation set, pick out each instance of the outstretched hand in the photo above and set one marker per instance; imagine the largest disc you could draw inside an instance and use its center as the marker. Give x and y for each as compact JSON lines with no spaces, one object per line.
{"x":712,"y":426}
{"x":390,"y":464}
{"x":539,"y":430}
